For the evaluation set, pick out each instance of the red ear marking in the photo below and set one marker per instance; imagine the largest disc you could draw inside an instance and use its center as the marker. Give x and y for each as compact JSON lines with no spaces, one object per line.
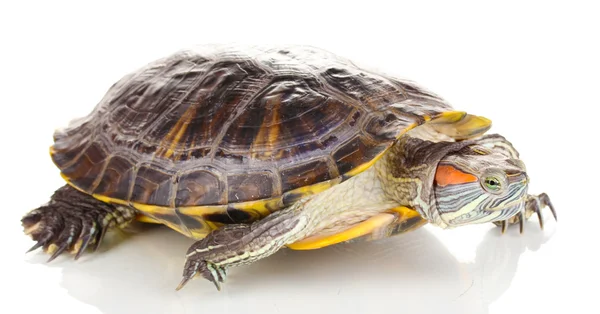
{"x":446,"y":175}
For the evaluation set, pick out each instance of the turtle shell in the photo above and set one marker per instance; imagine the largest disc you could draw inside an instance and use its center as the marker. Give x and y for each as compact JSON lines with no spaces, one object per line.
{"x":227,"y":134}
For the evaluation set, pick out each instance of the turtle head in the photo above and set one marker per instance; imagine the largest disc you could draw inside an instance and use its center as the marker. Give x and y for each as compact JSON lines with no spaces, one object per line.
{"x":480,"y":183}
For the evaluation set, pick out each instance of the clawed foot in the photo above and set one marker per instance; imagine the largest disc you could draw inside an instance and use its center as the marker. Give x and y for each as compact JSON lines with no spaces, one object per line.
{"x":57,"y":233}
{"x":213,"y":273}
{"x":534,"y":204}
{"x":71,"y":222}
{"x":201,"y":258}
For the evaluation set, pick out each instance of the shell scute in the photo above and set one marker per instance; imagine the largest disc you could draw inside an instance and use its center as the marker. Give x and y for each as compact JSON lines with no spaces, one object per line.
{"x":356,"y":152}
{"x":251,"y":129}
{"x":250,"y":186}
{"x":116,"y":178}
{"x":83,"y":172}
{"x":199,"y":187}
{"x":152,"y":186}
{"x":297,"y":175}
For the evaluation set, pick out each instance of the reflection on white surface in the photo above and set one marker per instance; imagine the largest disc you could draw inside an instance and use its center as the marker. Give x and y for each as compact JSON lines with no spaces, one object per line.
{"x":413,"y":272}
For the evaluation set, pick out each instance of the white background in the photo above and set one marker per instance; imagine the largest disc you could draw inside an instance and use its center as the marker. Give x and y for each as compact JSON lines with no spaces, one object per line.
{"x":532,"y":67}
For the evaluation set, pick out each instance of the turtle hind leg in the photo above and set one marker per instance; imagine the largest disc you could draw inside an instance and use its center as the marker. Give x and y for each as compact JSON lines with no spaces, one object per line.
{"x":73,"y":221}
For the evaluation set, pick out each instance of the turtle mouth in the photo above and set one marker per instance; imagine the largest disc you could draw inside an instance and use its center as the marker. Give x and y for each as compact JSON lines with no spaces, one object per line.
{"x":490,"y":215}
{"x":508,"y":210}
{"x":513,"y":204}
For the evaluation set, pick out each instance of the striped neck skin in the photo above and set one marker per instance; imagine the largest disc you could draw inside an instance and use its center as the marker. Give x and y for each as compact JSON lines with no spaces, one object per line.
{"x":477,"y":185}
{"x":407,"y":173}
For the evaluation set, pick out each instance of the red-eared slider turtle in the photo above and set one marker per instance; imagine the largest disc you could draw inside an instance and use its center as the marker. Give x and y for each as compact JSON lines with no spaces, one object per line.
{"x":251,"y":149}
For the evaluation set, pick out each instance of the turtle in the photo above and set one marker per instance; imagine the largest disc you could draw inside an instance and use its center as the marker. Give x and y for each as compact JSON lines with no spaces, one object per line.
{"x":250,"y":149}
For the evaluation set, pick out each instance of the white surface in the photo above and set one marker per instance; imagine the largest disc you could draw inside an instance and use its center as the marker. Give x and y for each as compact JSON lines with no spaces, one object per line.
{"x":533,"y":68}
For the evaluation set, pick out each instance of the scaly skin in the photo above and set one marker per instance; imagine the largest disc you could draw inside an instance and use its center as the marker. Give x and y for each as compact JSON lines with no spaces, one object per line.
{"x":72,"y":221}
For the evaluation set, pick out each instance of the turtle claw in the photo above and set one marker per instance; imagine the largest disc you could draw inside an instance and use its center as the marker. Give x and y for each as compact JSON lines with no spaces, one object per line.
{"x":504,"y":224}
{"x":40,"y":243}
{"x":58,"y":252}
{"x":210,"y":271}
{"x":540,"y":219}
{"x":36,"y":246}
{"x":545,"y":201}
{"x":189,"y":272}
{"x":217,"y":275}
{"x":183,"y":282}
{"x":100,"y":235}
{"x":534,"y":204}
{"x":521,"y":221}
{"x":85,"y":241}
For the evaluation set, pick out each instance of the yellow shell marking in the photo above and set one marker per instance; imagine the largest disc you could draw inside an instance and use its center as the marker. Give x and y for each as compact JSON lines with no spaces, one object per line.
{"x":268,"y":131}
{"x":460,"y":125}
{"x":175,"y":134}
{"x":447,"y":117}
{"x":148,"y":219}
{"x":315,"y":188}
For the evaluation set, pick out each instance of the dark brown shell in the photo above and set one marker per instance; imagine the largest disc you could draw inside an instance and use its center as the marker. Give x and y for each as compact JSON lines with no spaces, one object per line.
{"x":223,"y":124}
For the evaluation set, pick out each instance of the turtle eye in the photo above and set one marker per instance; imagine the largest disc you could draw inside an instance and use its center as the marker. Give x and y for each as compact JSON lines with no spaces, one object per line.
{"x":492,"y":184}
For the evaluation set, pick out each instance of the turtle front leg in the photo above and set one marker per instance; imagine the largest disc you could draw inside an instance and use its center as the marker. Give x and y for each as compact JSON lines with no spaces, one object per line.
{"x":241,"y":244}
{"x":533,"y":205}
{"x":72,"y":221}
